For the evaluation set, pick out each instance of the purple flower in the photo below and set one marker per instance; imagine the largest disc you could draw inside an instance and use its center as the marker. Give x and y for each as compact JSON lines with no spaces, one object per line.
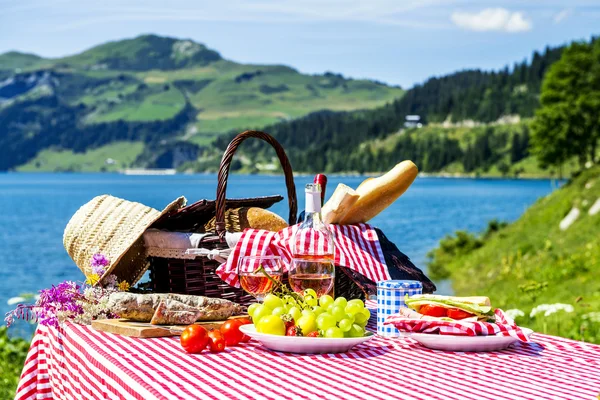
{"x":98,"y":262}
{"x":99,"y":259}
{"x":110,"y":281}
{"x":61,"y":298}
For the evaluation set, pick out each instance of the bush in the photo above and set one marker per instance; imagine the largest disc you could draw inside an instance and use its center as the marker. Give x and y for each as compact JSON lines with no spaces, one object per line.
{"x":459,"y":244}
{"x":12,"y":357}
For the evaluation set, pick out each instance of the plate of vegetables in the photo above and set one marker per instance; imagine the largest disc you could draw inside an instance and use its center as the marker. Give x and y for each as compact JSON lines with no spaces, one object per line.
{"x":306,"y":324}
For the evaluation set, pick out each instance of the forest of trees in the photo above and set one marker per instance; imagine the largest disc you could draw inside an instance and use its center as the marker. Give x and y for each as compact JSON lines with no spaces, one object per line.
{"x":48,"y":122}
{"x":329,"y":141}
{"x":322,"y":141}
{"x":567,"y":124}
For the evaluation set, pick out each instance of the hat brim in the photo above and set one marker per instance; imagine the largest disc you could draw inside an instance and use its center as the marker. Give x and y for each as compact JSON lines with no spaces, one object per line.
{"x":113,"y":227}
{"x":132,"y":264}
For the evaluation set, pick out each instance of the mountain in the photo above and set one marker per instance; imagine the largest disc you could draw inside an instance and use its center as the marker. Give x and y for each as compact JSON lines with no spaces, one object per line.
{"x":163,"y":102}
{"x":144,"y":53}
{"x":374,"y":140}
{"x":16,"y":60}
{"x":158,"y":92}
{"x":535,"y":261}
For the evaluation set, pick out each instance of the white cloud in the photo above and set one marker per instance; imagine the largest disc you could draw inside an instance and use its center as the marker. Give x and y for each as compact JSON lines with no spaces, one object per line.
{"x":418,"y":14}
{"x":561,"y":15}
{"x":492,"y":19}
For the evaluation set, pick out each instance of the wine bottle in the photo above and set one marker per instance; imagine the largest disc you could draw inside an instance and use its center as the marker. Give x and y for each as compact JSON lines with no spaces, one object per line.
{"x":321,"y":180}
{"x":312,"y":248}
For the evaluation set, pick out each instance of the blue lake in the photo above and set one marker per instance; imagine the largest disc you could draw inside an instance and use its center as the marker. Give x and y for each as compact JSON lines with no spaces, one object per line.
{"x":35,"y":208}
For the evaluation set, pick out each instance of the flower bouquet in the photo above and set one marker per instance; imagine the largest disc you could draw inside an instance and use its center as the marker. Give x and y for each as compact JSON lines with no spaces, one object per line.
{"x":71,"y":301}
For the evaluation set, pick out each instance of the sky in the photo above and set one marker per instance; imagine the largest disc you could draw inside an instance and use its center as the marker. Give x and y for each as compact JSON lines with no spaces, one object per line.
{"x":401,"y":42}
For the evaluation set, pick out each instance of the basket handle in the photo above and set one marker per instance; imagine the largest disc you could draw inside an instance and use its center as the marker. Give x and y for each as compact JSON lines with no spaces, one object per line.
{"x":224,"y":175}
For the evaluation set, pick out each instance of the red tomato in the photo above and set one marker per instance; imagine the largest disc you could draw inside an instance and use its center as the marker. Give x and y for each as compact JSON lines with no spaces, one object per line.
{"x":433,"y":310}
{"x":292,"y":331}
{"x":244,"y":321}
{"x":194,"y":339}
{"x":231,"y":332}
{"x":455,"y":313}
{"x":217,"y":342}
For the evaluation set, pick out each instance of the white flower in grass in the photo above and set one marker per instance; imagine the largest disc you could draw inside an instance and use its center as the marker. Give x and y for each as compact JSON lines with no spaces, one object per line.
{"x":549,"y":309}
{"x":514,"y":313}
{"x":16,"y":300}
{"x":593,"y":316}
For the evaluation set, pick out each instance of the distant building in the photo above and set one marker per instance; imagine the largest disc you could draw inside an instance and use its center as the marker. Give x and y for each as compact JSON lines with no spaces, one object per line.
{"x":413,"y":121}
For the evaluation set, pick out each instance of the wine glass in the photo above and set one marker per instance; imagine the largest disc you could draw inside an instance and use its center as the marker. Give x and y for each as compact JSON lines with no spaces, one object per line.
{"x":312,"y":272}
{"x":259,"y":275}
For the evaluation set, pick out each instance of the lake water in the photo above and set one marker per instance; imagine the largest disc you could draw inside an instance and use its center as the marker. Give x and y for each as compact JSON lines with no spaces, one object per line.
{"x":35,"y":208}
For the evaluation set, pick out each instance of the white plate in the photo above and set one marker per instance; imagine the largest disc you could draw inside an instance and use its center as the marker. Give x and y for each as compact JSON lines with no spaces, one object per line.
{"x":301,"y":344}
{"x":464,"y":343}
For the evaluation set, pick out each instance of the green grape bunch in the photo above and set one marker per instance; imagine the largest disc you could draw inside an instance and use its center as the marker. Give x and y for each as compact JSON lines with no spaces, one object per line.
{"x":311,"y":315}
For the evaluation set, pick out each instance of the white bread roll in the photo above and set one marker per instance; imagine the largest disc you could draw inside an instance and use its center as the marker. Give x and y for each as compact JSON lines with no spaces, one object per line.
{"x":340,"y":202}
{"x":378,"y":193}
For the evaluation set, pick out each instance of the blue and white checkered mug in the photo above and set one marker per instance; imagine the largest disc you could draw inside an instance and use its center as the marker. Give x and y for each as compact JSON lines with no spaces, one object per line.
{"x":390,"y":298}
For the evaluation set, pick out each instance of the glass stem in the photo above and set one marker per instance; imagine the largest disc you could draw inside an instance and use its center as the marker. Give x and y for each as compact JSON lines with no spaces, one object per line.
{"x":280,"y":285}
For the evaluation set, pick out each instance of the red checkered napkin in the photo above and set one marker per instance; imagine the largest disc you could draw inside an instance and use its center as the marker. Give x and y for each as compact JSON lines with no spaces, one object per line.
{"x":504,"y":326}
{"x":356,"y":247}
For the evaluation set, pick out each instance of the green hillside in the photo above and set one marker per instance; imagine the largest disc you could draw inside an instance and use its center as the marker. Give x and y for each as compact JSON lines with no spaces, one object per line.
{"x":143,"y":53}
{"x":375,"y":140}
{"x":155,"y":90}
{"x":533,"y":261}
{"x":109,"y":158}
{"x":182,"y":99}
{"x":14,"y":59}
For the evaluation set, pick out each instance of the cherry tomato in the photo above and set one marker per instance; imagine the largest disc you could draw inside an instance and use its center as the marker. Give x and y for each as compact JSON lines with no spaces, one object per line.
{"x":231,"y":332}
{"x":194,"y":339}
{"x":292,"y":331}
{"x":455,"y":313}
{"x":244,"y":321}
{"x":433,"y":311}
{"x":217,"y":342}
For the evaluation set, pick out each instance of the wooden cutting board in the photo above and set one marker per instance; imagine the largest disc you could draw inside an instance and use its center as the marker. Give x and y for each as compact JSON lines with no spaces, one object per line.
{"x":145,"y":329}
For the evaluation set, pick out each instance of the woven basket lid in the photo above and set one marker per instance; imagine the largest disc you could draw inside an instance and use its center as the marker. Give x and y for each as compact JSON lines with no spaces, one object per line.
{"x":113,"y":227}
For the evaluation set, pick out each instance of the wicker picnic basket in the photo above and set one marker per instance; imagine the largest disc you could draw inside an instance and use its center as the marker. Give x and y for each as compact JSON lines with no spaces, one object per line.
{"x":196,"y":275}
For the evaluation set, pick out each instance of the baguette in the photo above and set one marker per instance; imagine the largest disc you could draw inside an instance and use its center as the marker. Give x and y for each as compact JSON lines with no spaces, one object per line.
{"x":363,"y":183}
{"x":378,"y":193}
{"x":340,"y":202}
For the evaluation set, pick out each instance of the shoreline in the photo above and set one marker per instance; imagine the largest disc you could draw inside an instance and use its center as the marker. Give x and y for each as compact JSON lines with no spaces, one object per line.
{"x":170,"y":172}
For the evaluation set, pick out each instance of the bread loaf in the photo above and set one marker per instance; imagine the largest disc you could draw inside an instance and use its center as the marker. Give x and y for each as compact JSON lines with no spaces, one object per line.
{"x":259,"y":218}
{"x":238,"y":219}
{"x":364,"y":182}
{"x":340,"y":202}
{"x":378,"y":193}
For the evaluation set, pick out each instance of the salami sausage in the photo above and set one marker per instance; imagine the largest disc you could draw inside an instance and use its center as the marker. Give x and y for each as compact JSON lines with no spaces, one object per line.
{"x":173,"y":312}
{"x":141,"y":307}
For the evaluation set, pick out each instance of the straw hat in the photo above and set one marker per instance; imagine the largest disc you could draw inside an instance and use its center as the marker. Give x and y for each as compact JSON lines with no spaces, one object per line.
{"x":113,"y":227}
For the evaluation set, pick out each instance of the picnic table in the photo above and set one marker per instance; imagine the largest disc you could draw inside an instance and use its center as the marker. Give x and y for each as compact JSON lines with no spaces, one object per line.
{"x":77,"y":362}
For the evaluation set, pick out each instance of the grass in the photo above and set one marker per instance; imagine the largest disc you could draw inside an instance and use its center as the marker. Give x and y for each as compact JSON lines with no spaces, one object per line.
{"x":157,"y":106}
{"x":226,"y":102}
{"x":124,"y":153}
{"x":533,"y":262}
{"x":13,"y":352}
{"x":106,"y":93}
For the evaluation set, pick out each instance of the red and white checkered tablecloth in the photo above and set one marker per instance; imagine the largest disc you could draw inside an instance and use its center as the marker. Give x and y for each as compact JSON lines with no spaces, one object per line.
{"x":77,"y":362}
